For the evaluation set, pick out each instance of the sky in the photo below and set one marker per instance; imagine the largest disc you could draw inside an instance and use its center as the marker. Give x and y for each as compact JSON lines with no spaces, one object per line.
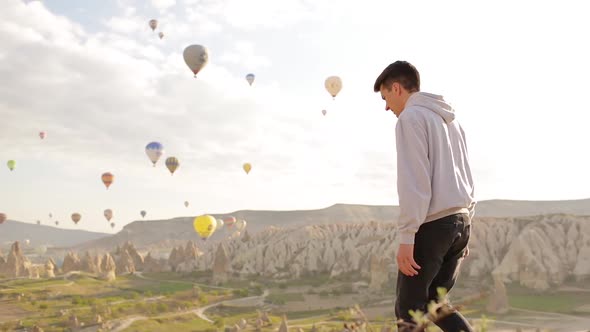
{"x":99,"y":81}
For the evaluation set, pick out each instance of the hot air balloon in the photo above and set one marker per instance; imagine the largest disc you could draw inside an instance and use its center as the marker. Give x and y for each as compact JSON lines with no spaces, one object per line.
{"x":107,"y":179}
{"x":108,"y":214}
{"x":324,"y":112}
{"x":112,"y":225}
{"x":219,"y":224}
{"x":229,"y":221}
{"x":172,"y":164}
{"x":161,"y":34}
{"x":204,"y":225}
{"x":27,"y":241}
{"x":153,"y":24}
{"x":250,"y":78}
{"x":11,"y":165}
{"x":56,"y":223}
{"x":196,"y":57}
{"x":247,"y":167}
{"x":50,"y":215}
{"x":185,"y":203}
{"x":38,"y":222}
{"x":333,"y":85}
{"x":2,"y":218}
{"x":76,"y":217}
{"x":154,"y":151}
{"x":42,"y":135}
{"x":143,"y":213}
{"x":241,"y":224}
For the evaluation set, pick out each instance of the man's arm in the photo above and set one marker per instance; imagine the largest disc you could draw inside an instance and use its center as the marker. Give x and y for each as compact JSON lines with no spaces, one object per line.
{"x":413,"y":174}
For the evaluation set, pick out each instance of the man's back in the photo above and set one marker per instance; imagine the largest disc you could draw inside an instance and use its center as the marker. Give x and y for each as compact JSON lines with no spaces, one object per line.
{"x":434,"y":176}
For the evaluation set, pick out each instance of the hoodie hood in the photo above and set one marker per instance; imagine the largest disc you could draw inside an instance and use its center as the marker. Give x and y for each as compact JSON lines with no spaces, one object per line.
{"x":435,"y":103}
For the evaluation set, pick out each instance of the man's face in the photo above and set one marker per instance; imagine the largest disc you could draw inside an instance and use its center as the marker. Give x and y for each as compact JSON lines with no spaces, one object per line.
{"x":392,"y":96}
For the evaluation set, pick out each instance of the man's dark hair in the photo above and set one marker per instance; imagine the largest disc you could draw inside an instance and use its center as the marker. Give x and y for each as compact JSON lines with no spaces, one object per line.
{"x":402,"y":72}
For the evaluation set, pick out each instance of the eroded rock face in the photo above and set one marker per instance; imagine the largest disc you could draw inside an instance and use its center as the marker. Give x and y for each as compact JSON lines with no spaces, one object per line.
{"x":137,"y":258}
{"x":71,"y":263}
{"x":546,"y":251}
{"x":221,"y":265}
{"x":15,"y":264}
{"x":186,"y":259}
{"x":108,"y":268}
{"x":498,"y":303}
{"x":379,"y":272}
{"x":154,"y":265}
{"x":538,"y":252}
{"x":124,"y":263}
{"x":50,"y":269}
{"x":88,"y":264}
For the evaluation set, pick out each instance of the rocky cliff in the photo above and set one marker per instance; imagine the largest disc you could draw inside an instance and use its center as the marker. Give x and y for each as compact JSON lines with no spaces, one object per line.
{"x":538,"y":252}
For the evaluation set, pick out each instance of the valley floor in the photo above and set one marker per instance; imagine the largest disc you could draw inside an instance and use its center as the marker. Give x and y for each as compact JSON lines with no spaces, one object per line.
{"x":189,"y":302}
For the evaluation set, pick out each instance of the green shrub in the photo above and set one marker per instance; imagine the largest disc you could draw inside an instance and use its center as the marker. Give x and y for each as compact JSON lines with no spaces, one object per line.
{"x":162,"y":307}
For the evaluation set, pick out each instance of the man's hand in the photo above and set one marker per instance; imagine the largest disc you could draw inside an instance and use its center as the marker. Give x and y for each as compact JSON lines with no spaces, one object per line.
{"x":405,"y":260}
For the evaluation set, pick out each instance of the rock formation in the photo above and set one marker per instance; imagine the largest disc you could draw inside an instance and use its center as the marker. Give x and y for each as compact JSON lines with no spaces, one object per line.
{"x":88,"y":264}
{"x":498,"y":303}
{"x":545,"y":251}
{"x":220,"y":265}
{"x":15,"y":264}
{"x":151,"y":264}
{"x":136,"y":257}
{"x":186,"y":259}
{"x":71,"y":263}
{"x":108,"y":268}
{"x":379,"y":268}
{"x":124,"y":262}
{"x":539,"y":252}
{"x":49,"y":269}
{"x":73,"y":322}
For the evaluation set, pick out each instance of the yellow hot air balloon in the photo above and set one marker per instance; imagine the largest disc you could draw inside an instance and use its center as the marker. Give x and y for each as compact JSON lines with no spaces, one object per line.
{"x":333,"y":84}
{"x":76,"y":217}
{"x":205,"y":225}
{"x":247,"y":167}
{"x":11,"y":165}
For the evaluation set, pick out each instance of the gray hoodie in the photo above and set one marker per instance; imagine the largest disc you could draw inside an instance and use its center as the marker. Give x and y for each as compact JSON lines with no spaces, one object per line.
{"x":433,"y":174}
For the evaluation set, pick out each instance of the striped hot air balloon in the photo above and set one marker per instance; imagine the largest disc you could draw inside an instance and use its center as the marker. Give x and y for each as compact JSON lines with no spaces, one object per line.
{"x":172,"y":164}
{"x":107,"y":179}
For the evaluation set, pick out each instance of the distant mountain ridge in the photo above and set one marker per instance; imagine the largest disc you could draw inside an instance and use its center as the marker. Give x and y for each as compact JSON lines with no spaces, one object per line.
{"x":168,"y":233}
{"x":46,"y":235}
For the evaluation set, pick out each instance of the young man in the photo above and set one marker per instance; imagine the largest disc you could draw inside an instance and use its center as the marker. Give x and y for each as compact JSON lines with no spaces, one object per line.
{"x":436,"y":194}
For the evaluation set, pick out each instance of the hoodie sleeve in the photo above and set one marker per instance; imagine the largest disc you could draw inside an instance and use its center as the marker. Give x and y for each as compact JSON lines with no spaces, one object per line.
{"x":413,"y":174}
{"x":471,"y":207}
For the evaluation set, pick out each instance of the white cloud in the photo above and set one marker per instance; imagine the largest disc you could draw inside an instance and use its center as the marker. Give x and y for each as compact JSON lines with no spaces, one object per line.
{"x":244,"y":54}
{"x":103,"y":96}
{"x":163,"y":5}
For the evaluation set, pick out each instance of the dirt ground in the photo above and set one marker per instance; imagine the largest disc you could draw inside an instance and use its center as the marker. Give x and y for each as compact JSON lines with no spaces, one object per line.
{"x":10,"y":312}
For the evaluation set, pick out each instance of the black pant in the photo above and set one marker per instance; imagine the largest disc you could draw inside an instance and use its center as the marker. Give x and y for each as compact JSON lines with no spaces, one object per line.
{"x":439,"y":249}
